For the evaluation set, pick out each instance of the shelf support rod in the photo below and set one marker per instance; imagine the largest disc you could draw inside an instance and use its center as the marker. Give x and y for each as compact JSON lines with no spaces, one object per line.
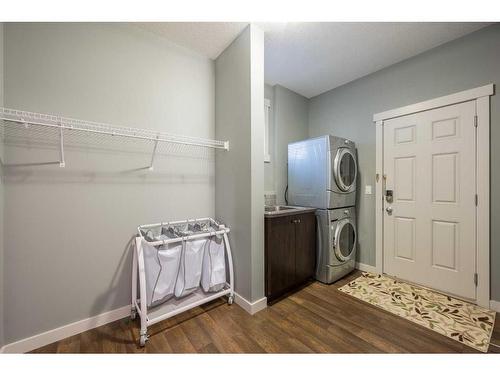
{"x":154,"y":153}
{"x":62,"y":162}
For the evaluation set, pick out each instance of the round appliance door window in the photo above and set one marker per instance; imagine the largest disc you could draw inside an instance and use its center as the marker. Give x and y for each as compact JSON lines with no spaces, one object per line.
{"x":345,"y":169}
{"x":345,"y":240}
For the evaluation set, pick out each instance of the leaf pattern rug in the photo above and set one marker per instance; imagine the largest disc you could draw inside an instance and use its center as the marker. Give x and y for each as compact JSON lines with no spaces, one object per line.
{"x":462,"y":321}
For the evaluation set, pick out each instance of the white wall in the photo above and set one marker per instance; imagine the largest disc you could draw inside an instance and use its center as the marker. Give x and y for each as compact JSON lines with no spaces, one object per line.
{"x":67,"y":253}
{"x":239,"y":93}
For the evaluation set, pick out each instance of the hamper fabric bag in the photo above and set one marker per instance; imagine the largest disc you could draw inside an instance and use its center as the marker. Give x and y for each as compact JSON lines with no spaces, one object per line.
{"x":188,"y":279}
{"x":213,"y":277}
{"x":161,"y":269}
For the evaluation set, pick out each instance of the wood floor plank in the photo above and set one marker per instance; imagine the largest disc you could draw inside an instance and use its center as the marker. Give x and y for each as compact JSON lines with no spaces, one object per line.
{"x":222,"y":341}
{"x":317,"y":319}
{"x":383,"y":324}
{"x":209,"y":349}
{"x":178,"y":341}
{"x":198,"y":338}
{"x":69,"y":345}
{"x":347,"y":323}
{"x":223,"y":317}
{"x":157,"y":343}
{"x":307,"y":338}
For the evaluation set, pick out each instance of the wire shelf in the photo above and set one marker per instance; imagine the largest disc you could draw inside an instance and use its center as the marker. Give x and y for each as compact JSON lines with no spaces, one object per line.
{"x":66,"y":123}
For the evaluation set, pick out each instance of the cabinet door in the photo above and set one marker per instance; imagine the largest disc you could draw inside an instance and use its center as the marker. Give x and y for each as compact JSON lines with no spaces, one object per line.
{"x":280,"y":254}
{"x":305,"y":247}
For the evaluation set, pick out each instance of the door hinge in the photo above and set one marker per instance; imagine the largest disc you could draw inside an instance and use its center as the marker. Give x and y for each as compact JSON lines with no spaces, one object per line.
{"x":476,"y":199}
{"x":475,"y":279}
{"x":475,"y":121}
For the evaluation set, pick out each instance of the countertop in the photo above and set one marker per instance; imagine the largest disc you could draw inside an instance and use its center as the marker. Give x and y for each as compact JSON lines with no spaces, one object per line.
{"x":294,"y":210}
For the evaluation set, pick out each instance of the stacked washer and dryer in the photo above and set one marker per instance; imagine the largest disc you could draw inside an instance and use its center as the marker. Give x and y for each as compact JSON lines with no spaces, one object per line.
{"x":322,"y":173}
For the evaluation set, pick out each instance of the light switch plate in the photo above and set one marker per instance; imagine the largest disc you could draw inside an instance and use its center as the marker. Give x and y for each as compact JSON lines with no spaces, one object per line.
{"x":368,"y":189}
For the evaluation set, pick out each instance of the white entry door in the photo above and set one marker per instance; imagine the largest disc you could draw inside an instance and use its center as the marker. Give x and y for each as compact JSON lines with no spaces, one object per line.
{"x":430,"y":226}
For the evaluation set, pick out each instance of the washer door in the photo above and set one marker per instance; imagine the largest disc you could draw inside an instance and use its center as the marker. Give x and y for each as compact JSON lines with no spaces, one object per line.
{"x":344,"y":242}
{"x":345,"y":169}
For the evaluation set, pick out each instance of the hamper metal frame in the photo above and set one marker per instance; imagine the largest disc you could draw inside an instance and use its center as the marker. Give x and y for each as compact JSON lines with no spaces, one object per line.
{"x":172,"y":307}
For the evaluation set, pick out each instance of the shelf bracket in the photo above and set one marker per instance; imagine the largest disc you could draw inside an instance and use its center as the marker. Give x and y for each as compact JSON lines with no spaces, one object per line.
{"x":62,"y":162}
{"x":154,"y":154}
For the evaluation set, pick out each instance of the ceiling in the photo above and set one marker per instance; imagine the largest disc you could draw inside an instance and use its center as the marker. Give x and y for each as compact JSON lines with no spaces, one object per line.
{"x":206,"y":38}
{"x":313,"y":57}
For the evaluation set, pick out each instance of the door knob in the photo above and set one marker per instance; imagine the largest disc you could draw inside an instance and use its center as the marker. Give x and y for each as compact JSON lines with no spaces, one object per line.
{"x":389,"y":210}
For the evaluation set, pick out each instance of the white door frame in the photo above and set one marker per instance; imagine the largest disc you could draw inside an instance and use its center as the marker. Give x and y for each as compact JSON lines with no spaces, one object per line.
{"x":482,"y":97}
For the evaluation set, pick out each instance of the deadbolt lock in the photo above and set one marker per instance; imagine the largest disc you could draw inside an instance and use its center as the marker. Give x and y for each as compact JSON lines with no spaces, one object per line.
{"x":389,"y":196}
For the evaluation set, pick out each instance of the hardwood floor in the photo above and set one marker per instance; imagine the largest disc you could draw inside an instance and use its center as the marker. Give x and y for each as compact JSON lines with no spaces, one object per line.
{"x":316,"y":319}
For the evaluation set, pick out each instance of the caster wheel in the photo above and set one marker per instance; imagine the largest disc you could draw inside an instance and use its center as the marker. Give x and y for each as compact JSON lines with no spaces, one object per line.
{"x":142,"y":340}
{"x":230,"y":300}
{"x":133,"y":315}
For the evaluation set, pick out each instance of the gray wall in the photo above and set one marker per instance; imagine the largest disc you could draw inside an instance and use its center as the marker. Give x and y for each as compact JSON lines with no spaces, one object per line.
{"x":67,"y":253}
{"x":257,"y":159}
{"x":290,"y":122}
{"x":1,"y":193}
{"x":269,"y":167}
{"x":347,"y":111}
{"x":239,"y":97}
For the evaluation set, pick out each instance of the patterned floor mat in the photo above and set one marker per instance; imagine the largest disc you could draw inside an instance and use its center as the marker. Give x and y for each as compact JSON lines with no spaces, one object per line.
{"x":462,"y":321}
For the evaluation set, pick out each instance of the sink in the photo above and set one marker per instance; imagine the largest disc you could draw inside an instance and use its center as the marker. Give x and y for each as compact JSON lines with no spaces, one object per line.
{"x":278,"y":208}
{"x":278,"y":211}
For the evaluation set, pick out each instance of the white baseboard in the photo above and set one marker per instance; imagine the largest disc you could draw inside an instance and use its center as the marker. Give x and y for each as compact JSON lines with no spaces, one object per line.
{"x":45,"y":338}
{"x":495,"y":305}
{"x":366,"y":267}
{"x":250,"y":307}
{"x":60,"y":333}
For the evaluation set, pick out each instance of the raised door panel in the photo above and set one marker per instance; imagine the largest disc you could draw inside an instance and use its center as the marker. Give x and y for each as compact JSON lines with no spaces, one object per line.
{"x":404,"y":135}
{"x":404,"y":178}
{"x":445,"y":183}
{"x":305,"y":247}
{"x":404,"y":238}
{"x":444,"y":244}
{"x":445,"y":128}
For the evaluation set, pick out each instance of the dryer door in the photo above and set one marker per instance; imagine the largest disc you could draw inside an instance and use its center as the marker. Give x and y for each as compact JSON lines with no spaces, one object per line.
{"x":344,"y":243}
{"x":345,"y":169}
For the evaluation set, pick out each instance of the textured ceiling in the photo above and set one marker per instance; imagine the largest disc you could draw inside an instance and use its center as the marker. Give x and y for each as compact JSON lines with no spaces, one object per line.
{"x":313,"y":57}
{"x":206,"y":38}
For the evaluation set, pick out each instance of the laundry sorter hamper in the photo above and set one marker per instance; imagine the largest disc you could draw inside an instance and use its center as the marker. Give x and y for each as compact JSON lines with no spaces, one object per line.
{"x":179,"y":265}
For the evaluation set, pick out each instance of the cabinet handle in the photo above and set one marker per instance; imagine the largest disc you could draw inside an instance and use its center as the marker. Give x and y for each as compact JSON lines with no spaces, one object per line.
{"x":296,"y":221}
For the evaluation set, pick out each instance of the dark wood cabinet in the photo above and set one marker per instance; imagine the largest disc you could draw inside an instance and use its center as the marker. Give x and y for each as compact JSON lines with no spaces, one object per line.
{"x":305,"y":248}
{"x":290,"y":252}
